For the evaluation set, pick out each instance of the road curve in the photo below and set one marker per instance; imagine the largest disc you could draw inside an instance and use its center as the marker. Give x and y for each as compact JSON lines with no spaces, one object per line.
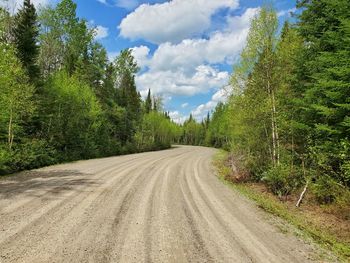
{"x":165,"y":206}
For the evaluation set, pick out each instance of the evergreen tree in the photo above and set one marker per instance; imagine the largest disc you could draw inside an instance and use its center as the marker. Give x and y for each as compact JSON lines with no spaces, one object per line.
{"x":25,"y":37}
{"x":148,"y":102}
{"x":127,"y":95}
{"x":324,"y":82}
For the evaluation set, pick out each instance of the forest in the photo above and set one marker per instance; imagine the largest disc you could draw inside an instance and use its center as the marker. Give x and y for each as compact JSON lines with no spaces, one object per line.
{"x":286,"y":120}
{"x":62,"y":100}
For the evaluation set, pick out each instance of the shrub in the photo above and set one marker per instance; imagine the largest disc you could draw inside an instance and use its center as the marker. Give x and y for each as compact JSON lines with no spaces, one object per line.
{"x":327,"y":190}
{"x":283,"y":179}
{"x":31,"y":154}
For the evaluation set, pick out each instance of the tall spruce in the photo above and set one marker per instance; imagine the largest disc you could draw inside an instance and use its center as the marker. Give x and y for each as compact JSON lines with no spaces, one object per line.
{"x":324,"y":80}
{"x":148,"y":102}
{"x":26,"y":33}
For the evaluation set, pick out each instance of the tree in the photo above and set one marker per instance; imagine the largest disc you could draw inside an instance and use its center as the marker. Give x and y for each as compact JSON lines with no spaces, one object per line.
{"x":254,"y":92}
{"x":6,"y":21}
{"x":16,"y":95}
{"x":324,"y":82}
{"x":65,"y":39}
{"x":127,"y":95}
{"x":73,"y":117}
{"x":148,"y":102}
{"x":25,"y":38}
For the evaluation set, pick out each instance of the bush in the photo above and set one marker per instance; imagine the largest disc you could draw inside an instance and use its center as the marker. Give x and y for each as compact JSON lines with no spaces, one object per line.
{"x":327,"y":190}
{"x":283,"y":179}
{"x":4,"y":161}
{"x":27,"y":155}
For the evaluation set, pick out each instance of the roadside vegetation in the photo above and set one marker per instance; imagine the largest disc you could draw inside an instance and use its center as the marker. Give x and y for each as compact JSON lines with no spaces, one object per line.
{"x":287,"y":116}
{"x":61,"y":99}
{"x":326,"y":225}
{"x":285,"y":123}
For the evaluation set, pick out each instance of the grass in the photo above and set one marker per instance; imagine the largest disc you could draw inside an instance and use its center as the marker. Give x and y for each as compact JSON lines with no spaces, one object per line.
{"x":272,"y":205}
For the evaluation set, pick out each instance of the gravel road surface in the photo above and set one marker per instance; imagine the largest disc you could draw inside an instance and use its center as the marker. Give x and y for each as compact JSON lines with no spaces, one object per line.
{"x":165,"y":206}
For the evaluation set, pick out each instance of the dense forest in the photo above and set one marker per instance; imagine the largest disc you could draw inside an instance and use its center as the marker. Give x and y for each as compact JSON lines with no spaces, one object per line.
{"x":286,"y":120}
{"x":62,"y":100}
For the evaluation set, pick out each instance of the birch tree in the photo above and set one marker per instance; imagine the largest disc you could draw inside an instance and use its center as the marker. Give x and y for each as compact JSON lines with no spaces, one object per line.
{"x":16,"y":95}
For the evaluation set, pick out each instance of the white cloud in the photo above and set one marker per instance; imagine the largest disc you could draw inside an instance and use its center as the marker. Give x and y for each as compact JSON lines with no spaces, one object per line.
{"x":101,"y":32}
{"x":177,"y":117}
{"x":221,"y":46}
{"x":141,"y":55}
{"x":171,"y":21}
{"x":185,"y":105}
{"x":202,"y":110}
{"x":220,"y":96}
{"x":178,"y":82}
{"x":186,"y":68}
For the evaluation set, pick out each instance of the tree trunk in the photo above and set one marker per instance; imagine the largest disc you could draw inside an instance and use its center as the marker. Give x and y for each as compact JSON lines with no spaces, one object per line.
{"x":302,"y":195}
{"x":273,"y":126}
{"x":277,"y":143}
{"x":305,"y":188}
{"x":10,"y":130}
{"x":267,"y":138}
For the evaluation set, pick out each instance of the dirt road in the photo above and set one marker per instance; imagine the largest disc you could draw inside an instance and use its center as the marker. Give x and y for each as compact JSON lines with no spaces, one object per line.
{"x":163,"y":206}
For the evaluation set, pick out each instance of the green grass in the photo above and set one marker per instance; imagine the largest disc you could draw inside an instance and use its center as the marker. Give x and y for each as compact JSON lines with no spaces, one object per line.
{"x":275,"y":207}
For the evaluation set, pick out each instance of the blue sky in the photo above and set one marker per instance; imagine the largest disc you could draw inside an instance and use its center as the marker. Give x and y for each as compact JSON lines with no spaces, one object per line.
{"x":185,"y":48}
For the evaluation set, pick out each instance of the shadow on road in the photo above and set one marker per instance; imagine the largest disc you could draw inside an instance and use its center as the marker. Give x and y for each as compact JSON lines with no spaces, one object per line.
{"x":33,"y":183}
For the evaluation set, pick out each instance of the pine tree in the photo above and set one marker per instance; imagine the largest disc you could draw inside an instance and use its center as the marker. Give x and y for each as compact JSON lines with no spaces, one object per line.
{"x":127,"y":95}
{"x":25,"y":37}
{"x":148,"y":102}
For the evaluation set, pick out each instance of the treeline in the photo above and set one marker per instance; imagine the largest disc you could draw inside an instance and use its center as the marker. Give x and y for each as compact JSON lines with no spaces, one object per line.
{"x":60,"y":97}
{"x":287,"y":121}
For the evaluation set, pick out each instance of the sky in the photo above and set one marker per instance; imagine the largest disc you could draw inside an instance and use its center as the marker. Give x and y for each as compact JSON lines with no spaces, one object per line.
{"x":185,"y":48}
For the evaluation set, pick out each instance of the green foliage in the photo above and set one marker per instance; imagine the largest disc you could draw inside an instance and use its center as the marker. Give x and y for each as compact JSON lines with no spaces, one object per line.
{"x":324,"y":84}
{"x":73,"y":116}
{"x":283,"y":179}
{"x":127,"y":96}
{"x":25,"y":35}
{"x":148,"y":102}
{"x":318,"y":232}
{"x":5,"y":25}
{"x":288,"y":110}
{"x":83,"y":107}
{"x":156,"y":132}
{"x":193,"y":133}
{"x":29,"y":154}
{"x":218,"y":134}
{"x":253,"y":111}
{"x":289,"y":104}
{"x":65,"y":40}
{"x":16,"y":97}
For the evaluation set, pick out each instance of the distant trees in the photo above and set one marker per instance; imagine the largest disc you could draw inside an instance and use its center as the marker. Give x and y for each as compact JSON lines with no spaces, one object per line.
{"x":218,"y":127}
{"x":287,"y":118}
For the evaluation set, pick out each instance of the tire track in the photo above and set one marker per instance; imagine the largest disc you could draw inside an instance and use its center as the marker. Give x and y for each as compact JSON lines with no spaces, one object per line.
{"x":162,"y":206}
